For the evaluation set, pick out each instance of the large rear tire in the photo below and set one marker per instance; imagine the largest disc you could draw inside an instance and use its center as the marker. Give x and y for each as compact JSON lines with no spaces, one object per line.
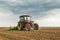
{"x":36,"y":27}
{"x":20,"y":27}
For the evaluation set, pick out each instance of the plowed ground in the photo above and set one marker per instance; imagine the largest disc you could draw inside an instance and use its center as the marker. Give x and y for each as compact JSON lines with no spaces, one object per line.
{"x":41,"y":34}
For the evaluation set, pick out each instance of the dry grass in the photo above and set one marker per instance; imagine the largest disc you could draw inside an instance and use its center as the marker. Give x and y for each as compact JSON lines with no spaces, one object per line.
{"x":41,"y":34}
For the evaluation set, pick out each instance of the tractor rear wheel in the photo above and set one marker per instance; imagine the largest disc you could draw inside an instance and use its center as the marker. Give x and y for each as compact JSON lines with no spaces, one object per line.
{"x":36,"y":27}
{"x":27,"y":27}
{"x":20,"y":27}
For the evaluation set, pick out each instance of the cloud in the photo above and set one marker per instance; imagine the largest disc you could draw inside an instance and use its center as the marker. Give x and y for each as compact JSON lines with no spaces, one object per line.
{"x":45,"y":11}
{"x":7,"y":18}
{"x":51,"y":20}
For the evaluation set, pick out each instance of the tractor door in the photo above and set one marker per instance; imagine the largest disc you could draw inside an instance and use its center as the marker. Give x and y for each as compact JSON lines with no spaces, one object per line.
{"x":22,"y":19}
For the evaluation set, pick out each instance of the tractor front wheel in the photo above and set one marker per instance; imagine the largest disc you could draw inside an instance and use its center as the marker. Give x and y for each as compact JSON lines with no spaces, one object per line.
{"x":27,"y":27}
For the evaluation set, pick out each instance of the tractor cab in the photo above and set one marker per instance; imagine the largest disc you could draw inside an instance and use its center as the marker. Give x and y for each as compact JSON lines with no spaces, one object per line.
{"x":25,"y":18}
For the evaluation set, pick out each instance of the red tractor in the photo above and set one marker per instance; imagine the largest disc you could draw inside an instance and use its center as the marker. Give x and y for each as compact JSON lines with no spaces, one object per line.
{"x":25,"y":23}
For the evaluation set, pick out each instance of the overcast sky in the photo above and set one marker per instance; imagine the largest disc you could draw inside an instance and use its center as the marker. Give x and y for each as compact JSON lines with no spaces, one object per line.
{"x":44,"y":12}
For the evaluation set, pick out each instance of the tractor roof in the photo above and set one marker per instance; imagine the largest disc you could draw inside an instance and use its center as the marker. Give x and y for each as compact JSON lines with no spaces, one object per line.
{"x":25,"y":15}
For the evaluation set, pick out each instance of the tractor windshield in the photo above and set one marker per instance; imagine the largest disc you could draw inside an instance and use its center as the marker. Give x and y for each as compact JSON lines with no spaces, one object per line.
{"x":27,"y":18}
{"x":24,"y":18}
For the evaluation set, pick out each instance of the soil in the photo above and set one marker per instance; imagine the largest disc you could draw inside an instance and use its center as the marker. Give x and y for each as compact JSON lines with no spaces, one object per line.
{"x":41,"y":34}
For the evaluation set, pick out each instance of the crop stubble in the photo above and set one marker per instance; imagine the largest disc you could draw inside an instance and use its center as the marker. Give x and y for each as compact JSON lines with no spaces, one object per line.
{"x":41,"y":34}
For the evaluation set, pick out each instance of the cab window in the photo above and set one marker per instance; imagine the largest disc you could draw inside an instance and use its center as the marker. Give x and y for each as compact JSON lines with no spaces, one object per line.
{"x":22,"y":19}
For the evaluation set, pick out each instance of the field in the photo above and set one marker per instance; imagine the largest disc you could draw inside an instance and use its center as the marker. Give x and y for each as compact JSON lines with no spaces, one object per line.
{"x":41,"y":34}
